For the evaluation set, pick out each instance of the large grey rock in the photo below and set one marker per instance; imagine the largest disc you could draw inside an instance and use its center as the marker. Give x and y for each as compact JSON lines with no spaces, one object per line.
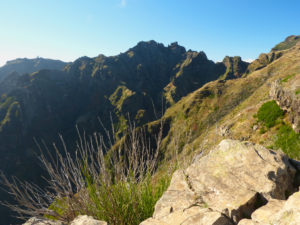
{"x":39,"y":221}
{"x":249,"y":222}
{"x":277,"y":212}
{"x":79,"y":220}
{"x":86,"y":220}
{"x":225,"y":186}
{"x":264,"y":213}
{"x":290,"y":212}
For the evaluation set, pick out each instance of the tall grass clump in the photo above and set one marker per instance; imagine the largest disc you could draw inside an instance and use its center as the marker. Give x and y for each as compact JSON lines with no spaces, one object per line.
{"x":109,"y":180}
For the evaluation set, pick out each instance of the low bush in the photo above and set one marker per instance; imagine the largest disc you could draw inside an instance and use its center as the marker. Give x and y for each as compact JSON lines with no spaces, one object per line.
{"x":269,"y":113}
{"x":289,"y":141}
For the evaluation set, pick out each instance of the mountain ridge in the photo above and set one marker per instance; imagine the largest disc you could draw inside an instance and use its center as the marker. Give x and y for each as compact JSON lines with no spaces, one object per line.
{"x":197,"y":92}
{"x":25,"y":65}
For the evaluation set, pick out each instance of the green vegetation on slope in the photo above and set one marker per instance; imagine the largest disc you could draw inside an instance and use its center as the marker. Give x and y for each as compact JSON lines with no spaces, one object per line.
{"x":268,"y":114}
{"x":285,"y":138}
{"x":287,"y":78}
{"x":289,"y":141}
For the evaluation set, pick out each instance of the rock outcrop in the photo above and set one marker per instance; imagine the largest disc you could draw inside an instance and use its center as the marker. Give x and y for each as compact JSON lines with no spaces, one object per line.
{"x":79,"y":220}
{"x":86,"y":220}
{"x":228,"y":186}
{"x":263,"y":60}
{"x":38,"y":221}
{"x":287,"y":100}
{"x":277,"y":212}
{"x":235,"y":67}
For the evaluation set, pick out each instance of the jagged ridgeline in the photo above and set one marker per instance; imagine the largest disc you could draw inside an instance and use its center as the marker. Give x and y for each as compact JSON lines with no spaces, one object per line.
{"x":39,"y":100}
{"x":197,"y":95}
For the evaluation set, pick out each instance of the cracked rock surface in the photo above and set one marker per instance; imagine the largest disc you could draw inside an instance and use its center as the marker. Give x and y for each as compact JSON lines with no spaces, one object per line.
{"x":79,"y":220}
{"x":226,"y":187}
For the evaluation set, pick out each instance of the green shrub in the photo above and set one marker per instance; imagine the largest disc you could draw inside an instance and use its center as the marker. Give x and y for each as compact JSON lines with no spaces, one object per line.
{"x":268,"y":114}
{"x":289,"y":141}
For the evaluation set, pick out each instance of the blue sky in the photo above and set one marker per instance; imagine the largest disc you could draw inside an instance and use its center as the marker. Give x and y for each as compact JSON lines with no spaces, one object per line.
{"x":68,"y":29}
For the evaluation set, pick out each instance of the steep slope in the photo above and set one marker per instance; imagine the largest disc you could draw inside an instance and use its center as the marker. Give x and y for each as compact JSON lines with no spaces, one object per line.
{"x":228,"y":109}
{"x":25,"y":65}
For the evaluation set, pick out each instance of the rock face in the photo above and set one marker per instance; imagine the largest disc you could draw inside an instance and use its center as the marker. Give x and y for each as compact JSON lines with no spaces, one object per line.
{"x":80,"y":220}
{"x":226,"y":186}
{"x":235,"y":67}
{"x":288,"y":100}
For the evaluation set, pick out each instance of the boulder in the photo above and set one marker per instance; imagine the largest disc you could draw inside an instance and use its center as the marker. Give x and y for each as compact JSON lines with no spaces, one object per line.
{"x":249,"y":222}
{"x":225,"y":186}
{"x":86,"y":220}
{"x":39,"y":221}
{"x":277,"y":212}
{"x":264,"y":213}
{"x":79,"y":220}
{"x":290,"y":212}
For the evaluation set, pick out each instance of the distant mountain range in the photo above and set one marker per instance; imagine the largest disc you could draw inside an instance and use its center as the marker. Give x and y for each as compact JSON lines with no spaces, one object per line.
{"x":24,"y":65}
{"x":40,"y":98}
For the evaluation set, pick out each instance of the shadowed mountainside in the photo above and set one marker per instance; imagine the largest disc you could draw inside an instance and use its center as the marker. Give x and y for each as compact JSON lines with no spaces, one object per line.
{"x":133,"y":85}
{"x":205,"y":101}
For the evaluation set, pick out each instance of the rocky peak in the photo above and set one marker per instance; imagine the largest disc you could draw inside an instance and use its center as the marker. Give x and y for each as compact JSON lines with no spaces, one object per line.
{"x":235,"y":67}
{"x":144,"y":45}
{"x":24,"y":65}
{"x":176,"y":48}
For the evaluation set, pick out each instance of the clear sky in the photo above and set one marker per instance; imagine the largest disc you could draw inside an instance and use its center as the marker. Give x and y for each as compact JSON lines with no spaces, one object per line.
{"x":68,"y":29}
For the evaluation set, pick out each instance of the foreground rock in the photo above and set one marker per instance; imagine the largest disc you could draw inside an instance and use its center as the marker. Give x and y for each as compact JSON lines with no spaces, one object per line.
{"x":225,"y":186}
{"x":277,"y":212}
{"x":80,"y":220}
{"x":87,"y":220}
{"x":38,"y":221}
